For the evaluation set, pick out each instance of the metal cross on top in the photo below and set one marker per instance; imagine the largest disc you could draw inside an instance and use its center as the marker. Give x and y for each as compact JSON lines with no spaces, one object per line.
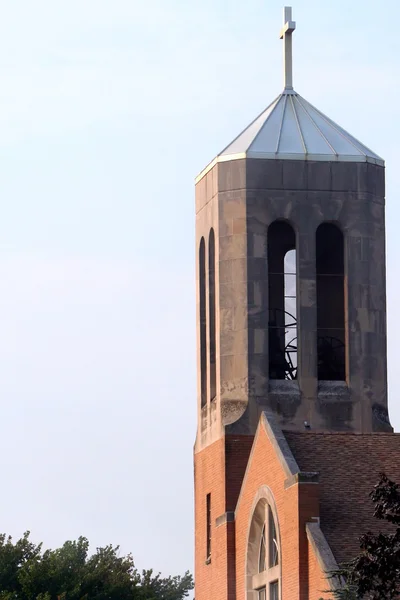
{"x":286,"y":34}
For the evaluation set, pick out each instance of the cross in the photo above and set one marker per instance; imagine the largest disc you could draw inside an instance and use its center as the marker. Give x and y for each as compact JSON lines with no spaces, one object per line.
{"x":286,"y":34}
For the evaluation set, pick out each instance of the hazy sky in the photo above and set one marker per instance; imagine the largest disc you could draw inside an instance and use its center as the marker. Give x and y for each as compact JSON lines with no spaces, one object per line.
{"x":108,"y":110}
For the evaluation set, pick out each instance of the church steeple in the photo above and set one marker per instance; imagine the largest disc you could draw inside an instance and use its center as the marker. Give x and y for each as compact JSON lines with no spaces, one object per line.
{"x":293,"y":180}
{"x":291,"y":314}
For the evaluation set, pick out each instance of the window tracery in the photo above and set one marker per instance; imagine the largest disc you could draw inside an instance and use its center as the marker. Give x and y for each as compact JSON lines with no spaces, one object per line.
{"x":263,"y":559}
{"x":268,"y":558}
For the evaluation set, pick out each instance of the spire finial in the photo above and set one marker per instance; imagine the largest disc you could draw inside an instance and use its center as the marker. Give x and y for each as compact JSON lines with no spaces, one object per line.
{"x":286,"y":34}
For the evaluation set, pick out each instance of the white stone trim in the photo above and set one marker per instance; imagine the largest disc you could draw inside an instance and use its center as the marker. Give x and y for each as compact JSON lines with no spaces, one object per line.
{"x":323,"y":553}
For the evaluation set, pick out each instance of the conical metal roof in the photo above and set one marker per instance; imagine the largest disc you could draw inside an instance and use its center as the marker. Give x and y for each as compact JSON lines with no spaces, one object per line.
{"x":291,"y":128}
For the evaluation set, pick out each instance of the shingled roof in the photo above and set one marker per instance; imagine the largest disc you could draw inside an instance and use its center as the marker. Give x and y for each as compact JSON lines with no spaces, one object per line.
{"x":349,"y":466}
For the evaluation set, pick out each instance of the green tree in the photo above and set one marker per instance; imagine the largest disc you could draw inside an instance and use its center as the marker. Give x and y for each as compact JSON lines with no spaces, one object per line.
{"x":70,"y":573}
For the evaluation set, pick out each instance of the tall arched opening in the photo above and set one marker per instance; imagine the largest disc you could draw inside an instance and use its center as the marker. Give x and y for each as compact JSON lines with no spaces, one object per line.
{"x":331,"y":334}
{"x":211,"y":312}
{"x":282,"y":286}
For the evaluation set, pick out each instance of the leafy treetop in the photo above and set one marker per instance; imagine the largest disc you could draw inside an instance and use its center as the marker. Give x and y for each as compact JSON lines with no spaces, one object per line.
{"x":70,"y":573}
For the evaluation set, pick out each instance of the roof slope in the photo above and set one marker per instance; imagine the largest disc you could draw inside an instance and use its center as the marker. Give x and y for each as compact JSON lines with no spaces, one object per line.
{"x":349,"y":466}
{"x":292,"y":128}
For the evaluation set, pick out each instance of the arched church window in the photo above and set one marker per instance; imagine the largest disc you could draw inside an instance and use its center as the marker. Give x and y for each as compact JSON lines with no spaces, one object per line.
{"x":211,"y":309}
{"x":269,"y":549}
{"x":282,"y":322}
{"x":203,"y":322}
{"x":263,"y":554}
{"x":331,"y":338}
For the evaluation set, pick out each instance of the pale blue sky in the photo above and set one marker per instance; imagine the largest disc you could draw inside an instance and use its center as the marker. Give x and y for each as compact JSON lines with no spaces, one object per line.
{"x":108,"y":110}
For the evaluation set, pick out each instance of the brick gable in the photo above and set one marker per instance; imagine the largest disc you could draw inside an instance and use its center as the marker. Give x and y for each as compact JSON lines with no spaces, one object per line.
{"x":296,"y":500}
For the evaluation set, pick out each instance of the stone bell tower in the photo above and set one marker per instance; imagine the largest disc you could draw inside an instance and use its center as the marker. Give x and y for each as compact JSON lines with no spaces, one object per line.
{"x":291,"y":296}
{"x":290,"y":238}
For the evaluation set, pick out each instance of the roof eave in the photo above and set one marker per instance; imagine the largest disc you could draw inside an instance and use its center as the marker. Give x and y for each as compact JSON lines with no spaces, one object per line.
{"x":375,"y":160}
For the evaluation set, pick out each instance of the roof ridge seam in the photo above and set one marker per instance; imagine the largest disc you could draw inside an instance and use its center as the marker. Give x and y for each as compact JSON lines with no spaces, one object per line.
{"x":299,"y":98}
{"x":303,"y":141}
{"x":281,"y":125}
{"x":248,"y":126}
{"x":341,"y":131}
{"x":265,"y":122}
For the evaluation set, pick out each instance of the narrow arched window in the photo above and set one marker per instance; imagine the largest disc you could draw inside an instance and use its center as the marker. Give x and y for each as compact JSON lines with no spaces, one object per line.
{"x":290,"y":314}
{"x":211,"y":309}
{"x":203,"y":322}
{"x":263,"y":569}
{"x":282,"y":323}
{"x":331,"y":338}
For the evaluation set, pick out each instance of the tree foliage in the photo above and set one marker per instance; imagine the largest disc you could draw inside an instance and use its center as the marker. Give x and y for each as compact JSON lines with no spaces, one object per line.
{"x":375,"y":572}
{"x":70,"y":573}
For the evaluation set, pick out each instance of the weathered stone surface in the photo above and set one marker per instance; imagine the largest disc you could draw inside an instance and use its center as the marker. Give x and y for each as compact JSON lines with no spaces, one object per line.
{"x":294,"y":175}
{"x":232,"y":175}
{"x":376,"y":181}
{"x":233,"y":246}
{"x":232,"y":294}
{"x":319,"y":176}
{"x":344,"y":176}
{"x":240,"y":200}
{"x":264,"y":174}
{"x":284,"y":399}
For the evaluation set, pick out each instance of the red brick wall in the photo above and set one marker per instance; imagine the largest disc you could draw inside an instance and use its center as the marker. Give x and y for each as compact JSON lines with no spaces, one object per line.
{"x":209,"y":477}
{"x":295,"y":506}
{"x":237,"y":452}
{"x":308,"y":508}
{"x":219,"y":470}
{"x":265,"y":469}
{"x":317,"y":582}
